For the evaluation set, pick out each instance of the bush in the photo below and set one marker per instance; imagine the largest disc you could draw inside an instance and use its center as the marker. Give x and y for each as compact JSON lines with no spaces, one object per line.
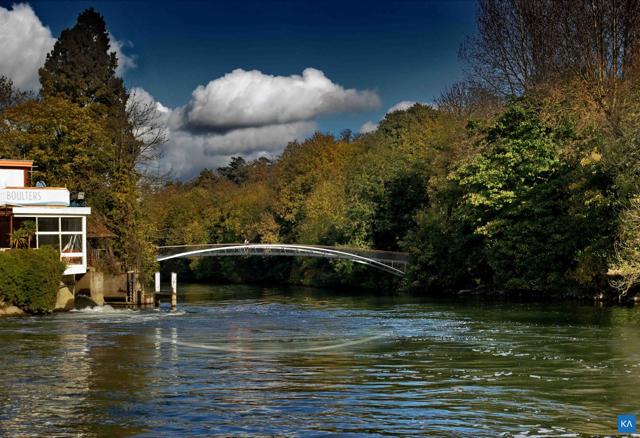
{"x":29,"y":278}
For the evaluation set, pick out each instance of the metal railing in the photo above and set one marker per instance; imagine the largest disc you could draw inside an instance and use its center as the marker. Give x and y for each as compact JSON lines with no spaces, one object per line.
{"x":393,"y":262}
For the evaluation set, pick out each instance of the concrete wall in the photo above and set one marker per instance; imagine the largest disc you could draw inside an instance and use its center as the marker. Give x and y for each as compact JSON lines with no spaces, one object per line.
{"x":98,"y":285}
{"x":65,"y":299}
{"x":92,"y":284}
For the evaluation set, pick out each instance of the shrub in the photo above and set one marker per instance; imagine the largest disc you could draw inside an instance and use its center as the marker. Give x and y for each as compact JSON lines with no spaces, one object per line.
{"x":29,"y":278}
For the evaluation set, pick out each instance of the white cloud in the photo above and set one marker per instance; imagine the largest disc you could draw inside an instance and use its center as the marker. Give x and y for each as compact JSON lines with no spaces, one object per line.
{"x":251,"y":98}
{"x":248,"y":113}
{"x":404,"y":105}
{"x":187,"y":152}
{"x":368,"y":127}
{"x":125,"y":62}
{"x":143,"y":97}
{"x":24,"y":44}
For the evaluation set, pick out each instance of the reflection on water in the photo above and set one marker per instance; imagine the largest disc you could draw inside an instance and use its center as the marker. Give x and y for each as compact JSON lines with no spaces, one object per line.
{"x":241,"y":360}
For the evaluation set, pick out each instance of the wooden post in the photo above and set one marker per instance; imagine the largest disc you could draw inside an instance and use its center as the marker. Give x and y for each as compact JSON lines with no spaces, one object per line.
{"x":174,"y":290}
{"x":130,"y":288}
{"x":156,"y":297}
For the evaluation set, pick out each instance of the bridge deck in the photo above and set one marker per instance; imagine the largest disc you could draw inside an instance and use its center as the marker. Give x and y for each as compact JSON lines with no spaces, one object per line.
{"x":390,"y":261}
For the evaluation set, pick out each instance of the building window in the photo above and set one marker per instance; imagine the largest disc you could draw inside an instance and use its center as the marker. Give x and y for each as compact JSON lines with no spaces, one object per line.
{"x":49,"y":240}
{"x":72,"y":224}
{"x":64,"y":234}
{"x":71,"y":243}
{"x":48,"y":224}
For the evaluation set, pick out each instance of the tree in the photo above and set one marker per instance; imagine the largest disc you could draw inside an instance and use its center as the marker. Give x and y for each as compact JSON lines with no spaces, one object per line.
{"x":298,"y":171}
{"x":625,"y":265}
{"x":389,"y":182}
{"x":236,"y":171}
{"x":148,"y":126}
{"x":81,"y":69}
{"x":466,"y":99}
{"x":514,"y":48}
{"x":522,"y":44}
{"x":22,"y":237}
{"x":10,"y":96}
{"x":67,"y":144}
{"x":541,"y":217}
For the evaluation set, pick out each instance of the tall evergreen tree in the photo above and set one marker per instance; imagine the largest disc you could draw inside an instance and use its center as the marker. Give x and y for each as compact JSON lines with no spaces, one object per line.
{"x":81,"y":69}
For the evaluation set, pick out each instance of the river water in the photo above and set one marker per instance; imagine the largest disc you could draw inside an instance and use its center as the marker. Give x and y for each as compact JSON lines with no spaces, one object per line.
{"x":239,"y":360}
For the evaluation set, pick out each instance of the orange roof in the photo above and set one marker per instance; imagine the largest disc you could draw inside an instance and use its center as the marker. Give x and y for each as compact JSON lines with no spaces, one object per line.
{"x":16,"y":163}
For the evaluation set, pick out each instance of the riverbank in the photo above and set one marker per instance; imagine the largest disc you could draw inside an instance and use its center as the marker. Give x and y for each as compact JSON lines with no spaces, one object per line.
{"x":64,"y":301}
{"x":10,"y":310}
{"x":545,"y":296}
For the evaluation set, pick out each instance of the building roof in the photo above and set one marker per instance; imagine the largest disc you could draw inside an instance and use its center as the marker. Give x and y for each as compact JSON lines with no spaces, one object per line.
{"x":52,"y":210}
{"x":16,"y":163}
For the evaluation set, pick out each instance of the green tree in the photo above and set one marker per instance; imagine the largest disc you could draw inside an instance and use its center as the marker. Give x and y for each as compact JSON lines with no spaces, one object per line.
{"x":236,"y":171}
{"x":81,"y":69}
{"x":625,"y":265}
{"x":389,"y":182}
{"x":527,"y":203}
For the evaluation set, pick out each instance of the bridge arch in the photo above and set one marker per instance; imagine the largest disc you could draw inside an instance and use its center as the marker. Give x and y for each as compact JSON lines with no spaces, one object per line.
{"x":391,"y":262}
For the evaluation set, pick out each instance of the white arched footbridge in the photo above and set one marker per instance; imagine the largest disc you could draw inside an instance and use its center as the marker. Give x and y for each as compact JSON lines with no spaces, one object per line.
{"x":392,"y":262}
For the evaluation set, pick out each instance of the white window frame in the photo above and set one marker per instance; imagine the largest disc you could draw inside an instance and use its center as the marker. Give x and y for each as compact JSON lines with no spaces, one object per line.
{"x":71,"y":268}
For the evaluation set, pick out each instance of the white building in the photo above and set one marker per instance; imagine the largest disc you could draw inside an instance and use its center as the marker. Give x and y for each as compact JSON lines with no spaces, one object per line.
{"x":57,"y":224}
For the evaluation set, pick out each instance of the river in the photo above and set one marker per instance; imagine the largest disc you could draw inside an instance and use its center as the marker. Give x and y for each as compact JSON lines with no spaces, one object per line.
{"x":240,"y":360}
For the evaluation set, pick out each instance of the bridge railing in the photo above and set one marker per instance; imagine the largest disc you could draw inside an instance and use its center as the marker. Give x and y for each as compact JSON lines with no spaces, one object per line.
{"x":393,"y":257}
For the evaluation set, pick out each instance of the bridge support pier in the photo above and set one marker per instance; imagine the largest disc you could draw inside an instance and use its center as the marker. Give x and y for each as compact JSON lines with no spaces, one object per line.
{"x":174,"y":291}
{"x":156,"y":296}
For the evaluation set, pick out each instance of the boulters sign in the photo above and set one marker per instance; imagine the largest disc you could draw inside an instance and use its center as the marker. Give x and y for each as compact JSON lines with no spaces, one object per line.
{"x":20,"y":196}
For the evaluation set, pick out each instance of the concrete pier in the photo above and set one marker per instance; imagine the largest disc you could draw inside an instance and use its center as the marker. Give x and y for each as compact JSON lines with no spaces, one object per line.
{"x":174,"y":290}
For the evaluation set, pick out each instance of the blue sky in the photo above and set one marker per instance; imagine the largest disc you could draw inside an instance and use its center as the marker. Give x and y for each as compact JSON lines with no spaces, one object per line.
{"x":401,"y":51}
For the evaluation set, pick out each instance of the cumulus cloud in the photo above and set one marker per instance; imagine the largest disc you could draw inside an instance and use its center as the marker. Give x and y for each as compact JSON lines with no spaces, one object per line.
{"x":251,"y":99}
{"x":187,"y":152}
{"x":248,"y":113}
{"x":404,"y":105}
{"x":125,"y":62}
{"x":142,"y":97}
{"x":24,"y":44}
